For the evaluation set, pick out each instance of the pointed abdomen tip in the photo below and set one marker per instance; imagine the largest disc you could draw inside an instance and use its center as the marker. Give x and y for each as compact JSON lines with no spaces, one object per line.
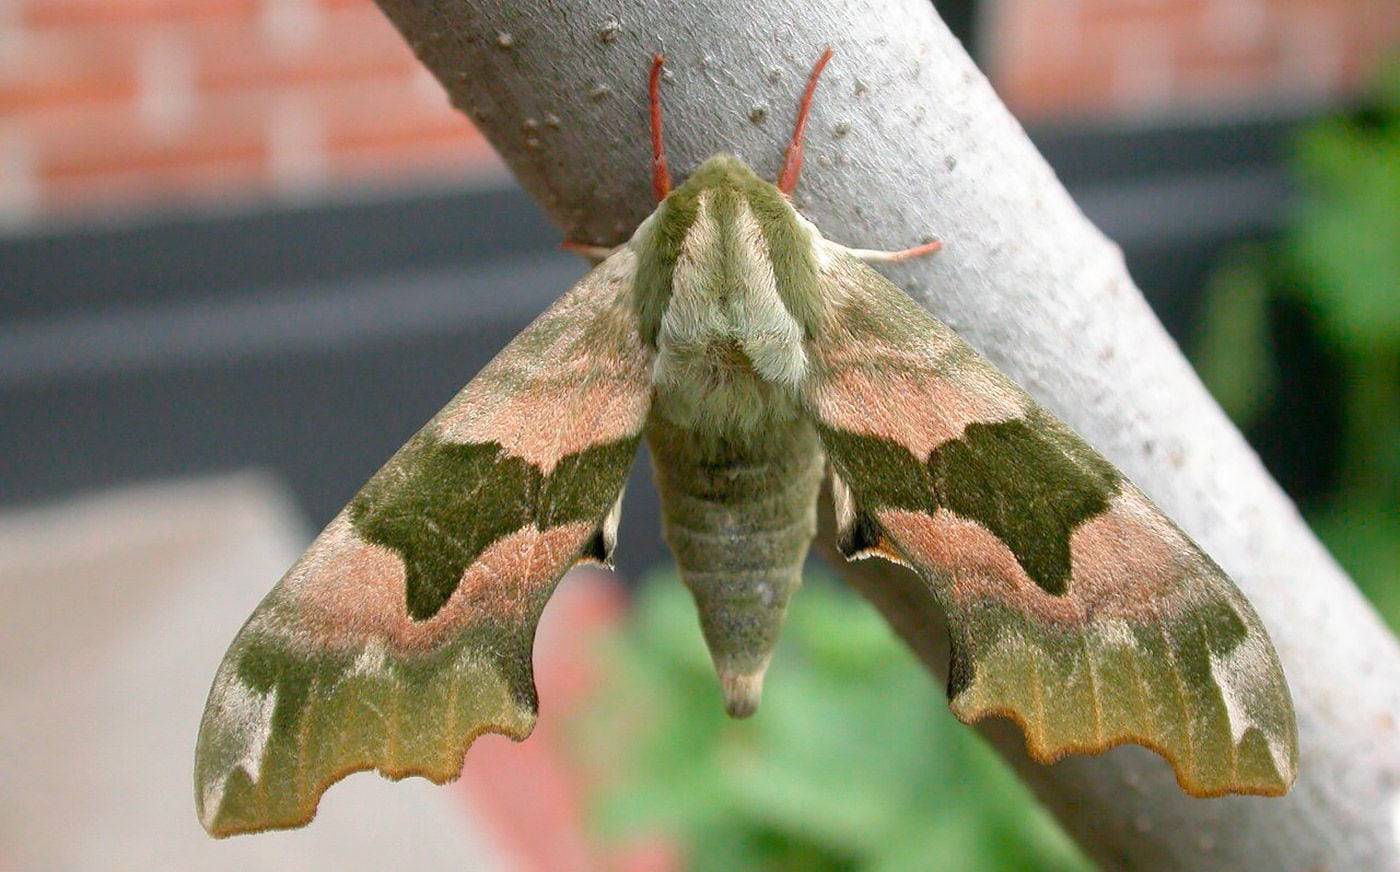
{"x":741,"y":693}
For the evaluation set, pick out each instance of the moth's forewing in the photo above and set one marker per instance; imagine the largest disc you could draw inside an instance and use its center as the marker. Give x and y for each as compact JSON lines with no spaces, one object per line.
{"x":1075,"y":607}
{"x":405,"y":631}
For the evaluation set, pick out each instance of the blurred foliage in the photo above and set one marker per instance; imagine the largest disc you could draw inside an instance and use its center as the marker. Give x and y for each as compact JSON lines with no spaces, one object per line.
{"x":853,"y":761}
{"x":1337,"y":261}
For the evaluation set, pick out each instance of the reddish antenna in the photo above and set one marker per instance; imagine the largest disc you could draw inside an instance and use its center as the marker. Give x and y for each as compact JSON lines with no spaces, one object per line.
{"x":660,"y":175}
{"x":792,"y":160}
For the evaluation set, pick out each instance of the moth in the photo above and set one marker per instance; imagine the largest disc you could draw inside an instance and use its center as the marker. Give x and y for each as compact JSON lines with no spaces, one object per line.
{"x":758,"y":359}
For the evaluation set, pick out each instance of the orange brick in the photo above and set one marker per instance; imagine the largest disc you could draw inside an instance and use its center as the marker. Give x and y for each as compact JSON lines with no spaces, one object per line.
{"x":1370,"y":35}
{"x":1204,"y":79}
{"x":1213,"y":68}
{"x":175,"y":182}
{"x":51,"y":68}
{"x":38,"y":90}
{"x":1110,"y":28}
{"x":346,"y":4}
{"x":1049,"y":56}
{"x":138,"y":155}
{"x":1030,"y":33}
{"x":79,"y":13}
{"x":352,"y":43}
{"x":424,"y":145}
{"x":115,"y":164}
{"x":1079,"y":87}
{"x":356,"y":110}
{"x":1111,"y":12}
{"x":75,"y":145}
{"x":386,"y":129}
{"x":452,"y":154}
{"x":1264,"y":55}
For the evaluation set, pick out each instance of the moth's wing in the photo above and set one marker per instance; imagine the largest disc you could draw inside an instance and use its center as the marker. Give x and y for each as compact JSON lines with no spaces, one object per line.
{"x":1075,"y":607}
{"x":405,"y":631}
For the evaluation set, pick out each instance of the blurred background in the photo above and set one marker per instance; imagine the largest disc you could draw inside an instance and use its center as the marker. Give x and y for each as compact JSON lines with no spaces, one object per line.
{"x":246,"y":249}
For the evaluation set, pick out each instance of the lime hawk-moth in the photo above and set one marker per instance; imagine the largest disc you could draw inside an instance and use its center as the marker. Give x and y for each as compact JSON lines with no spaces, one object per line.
{"x":758,"y":359}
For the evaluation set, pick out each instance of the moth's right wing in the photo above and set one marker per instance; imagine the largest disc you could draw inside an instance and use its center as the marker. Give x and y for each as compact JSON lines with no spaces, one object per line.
{"x":1075,"y":607}
{"x":406,"y":629}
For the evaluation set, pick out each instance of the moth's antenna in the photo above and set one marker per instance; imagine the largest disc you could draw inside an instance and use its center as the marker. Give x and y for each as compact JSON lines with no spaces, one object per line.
{"x":792,"y":160}
{"x":660,"y":176}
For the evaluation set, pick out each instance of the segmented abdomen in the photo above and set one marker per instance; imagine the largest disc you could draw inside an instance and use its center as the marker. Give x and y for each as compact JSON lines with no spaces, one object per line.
{"x":739,"y":515}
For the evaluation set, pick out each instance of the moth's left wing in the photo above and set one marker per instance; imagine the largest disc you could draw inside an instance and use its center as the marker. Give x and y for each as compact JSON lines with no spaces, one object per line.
{"x":406,"y":629}
{"x":1075,"y":607}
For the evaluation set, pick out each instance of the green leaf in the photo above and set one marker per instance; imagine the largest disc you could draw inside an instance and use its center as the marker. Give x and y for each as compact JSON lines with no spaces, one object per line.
{"x":1233,"y":356}
{"x":1348,"y":223}
{"x":853,"y":763}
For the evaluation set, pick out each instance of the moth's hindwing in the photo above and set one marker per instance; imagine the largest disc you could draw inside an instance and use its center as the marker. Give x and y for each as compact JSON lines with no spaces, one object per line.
{"x":1076,"y":608}
{"x":405,"y":631}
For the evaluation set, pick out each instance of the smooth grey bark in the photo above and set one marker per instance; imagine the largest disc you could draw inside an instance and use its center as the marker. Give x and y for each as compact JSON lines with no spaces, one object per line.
{"x":907,"y":141}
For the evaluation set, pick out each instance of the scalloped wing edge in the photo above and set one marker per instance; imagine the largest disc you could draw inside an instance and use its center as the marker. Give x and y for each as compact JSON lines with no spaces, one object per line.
{"x":1239,"y":735}
{"x":258,"y":792}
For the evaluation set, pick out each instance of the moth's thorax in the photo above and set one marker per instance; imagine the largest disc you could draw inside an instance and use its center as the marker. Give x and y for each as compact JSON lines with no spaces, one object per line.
{"x":726,"y":293}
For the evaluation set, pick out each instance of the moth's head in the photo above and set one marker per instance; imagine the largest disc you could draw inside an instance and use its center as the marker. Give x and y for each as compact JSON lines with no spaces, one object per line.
{"x":722,"y":172}
{"x":725,"y":220}
{"x":721,"y":191}
{"x":724,"y":223}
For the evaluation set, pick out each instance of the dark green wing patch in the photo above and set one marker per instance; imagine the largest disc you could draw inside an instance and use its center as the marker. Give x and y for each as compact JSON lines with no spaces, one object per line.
{"x":1019,"y":479}
{"x":448,"y":502}
{"x":1016,"y":480}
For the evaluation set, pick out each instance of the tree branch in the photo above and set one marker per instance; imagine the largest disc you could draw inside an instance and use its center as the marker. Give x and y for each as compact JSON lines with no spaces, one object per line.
{"x":908,"y":140}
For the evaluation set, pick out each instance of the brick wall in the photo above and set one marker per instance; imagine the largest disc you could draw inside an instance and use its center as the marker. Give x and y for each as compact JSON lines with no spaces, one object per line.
{"x":111,"y":102}
{"x":134,"y":103}
{"x":1091,"y":58}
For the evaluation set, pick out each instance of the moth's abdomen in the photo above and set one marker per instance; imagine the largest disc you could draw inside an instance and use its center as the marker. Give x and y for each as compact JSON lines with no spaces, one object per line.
{"x":739,"y":514}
